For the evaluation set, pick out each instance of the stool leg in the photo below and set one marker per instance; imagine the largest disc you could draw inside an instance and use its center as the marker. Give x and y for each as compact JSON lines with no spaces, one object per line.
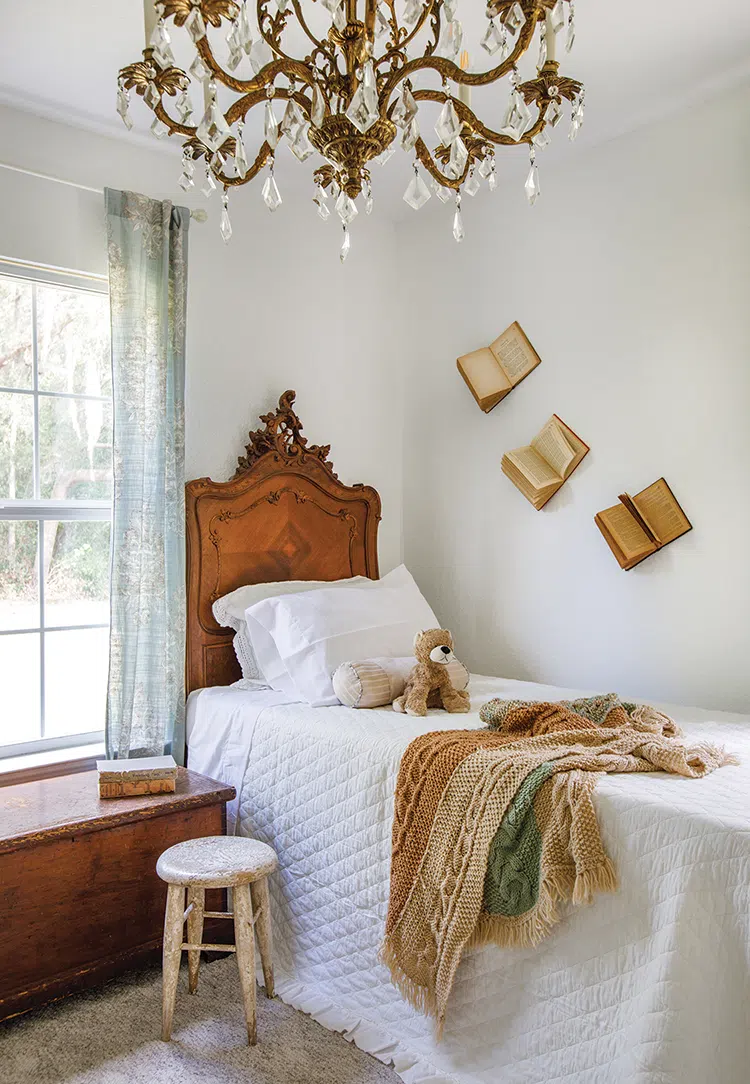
{"x":262,"y":912}
{"x":173,"y":922}
{"x":243,"y":939}
{"x":196,"y":896}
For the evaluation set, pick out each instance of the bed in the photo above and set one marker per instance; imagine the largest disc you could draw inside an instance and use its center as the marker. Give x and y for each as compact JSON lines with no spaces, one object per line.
{"x":647,"y":985}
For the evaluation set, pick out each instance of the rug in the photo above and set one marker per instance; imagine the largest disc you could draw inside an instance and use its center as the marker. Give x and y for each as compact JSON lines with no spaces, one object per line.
{"x":111,"y":1036}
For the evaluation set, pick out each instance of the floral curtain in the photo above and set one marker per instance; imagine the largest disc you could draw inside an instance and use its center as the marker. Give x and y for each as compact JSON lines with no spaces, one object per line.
{"x":148,"y":251}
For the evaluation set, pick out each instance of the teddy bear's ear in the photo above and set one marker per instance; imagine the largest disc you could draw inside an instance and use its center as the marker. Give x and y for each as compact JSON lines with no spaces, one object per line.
{"x":418,"y":636}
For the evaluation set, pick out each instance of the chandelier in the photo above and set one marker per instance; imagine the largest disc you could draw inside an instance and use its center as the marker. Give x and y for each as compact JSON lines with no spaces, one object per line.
{"x":345,"y":79}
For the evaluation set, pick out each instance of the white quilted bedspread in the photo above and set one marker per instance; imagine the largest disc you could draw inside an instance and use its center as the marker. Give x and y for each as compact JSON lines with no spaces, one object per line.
{"x":647,"y":986}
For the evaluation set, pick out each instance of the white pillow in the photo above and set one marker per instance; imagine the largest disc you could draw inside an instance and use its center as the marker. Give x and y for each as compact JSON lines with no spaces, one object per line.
{"x":229,"y":611}
{"x":299,"y":640}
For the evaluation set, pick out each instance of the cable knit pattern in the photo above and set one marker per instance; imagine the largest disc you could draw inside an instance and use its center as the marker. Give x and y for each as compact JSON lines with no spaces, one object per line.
{"x":492,"y":829}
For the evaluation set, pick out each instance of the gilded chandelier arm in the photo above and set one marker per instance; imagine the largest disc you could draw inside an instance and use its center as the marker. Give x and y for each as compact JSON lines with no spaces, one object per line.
{"x":451,"y":71}
{"x":423,"y":154}
{"x":477,"y":128}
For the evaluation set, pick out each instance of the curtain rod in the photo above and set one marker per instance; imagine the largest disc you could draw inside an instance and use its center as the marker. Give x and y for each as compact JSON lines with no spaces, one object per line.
{"x":197,"y":216}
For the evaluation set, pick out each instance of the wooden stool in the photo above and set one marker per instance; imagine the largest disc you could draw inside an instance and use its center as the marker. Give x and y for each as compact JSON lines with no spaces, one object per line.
{"x":216,"y":862}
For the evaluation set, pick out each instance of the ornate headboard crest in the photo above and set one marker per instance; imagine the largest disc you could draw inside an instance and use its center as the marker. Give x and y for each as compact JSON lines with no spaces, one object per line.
{"x":282,"y":436}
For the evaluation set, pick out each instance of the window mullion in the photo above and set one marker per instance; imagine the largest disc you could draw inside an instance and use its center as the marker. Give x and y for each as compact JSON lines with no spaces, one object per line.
{"x":37,"y":496}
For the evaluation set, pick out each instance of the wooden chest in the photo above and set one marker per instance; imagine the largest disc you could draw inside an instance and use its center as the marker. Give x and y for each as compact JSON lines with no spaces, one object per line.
{"x":79,"y":897}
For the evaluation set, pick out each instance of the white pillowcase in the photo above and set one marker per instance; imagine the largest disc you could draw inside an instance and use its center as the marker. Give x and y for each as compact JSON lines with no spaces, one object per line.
{"x":299,"y":640}
{"x":229,"y":611}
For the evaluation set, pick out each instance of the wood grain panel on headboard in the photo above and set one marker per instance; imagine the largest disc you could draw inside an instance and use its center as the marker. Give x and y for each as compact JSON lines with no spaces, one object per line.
{"x":283,"y":516}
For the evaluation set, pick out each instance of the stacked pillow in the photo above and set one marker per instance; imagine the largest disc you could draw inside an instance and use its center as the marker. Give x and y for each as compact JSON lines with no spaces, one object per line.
{"x":296,"y":634}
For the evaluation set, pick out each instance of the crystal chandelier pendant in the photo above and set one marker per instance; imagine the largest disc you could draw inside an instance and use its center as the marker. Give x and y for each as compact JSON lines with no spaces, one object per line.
{"x":410,"y":135}
{"x":260,"y":54}
{"x":458,"y":158}
{"x":486,"y":166}
{"x":557,"y":16}
{"x":271,"y":195}
{"x":473,"y":184}
{"x":542,"y":139}
{"x":381,"y":22}
{"x":386,"y":155}
{"x":225,"y":226}
{"x":417,"y":193}
{"x":406,"y":108}
{"x":160,"y":42}
{"x":364,"y":108}
{"x":187,"y":179}
{"x":533,"y":190}
{"x":570,"y":40}
{"x":451,"y":40}
{"x":236,"y":52}
{"x":346,"y":208}
{"x":448,"y":127}
{"x":293,"y":122}
{"x":194,"y":23}
{"x":517,"y":117}
{"x":320,"y":199}
{"x":542,"y":58}
{"x":367,"y":193}
{"x":198,"y":70}
{"x":449,"y":8}
{"x":493,"y":38}
{"x":443,"y":194}
{"x":318,"y":110}
{"x":515,"y":18}
{"x":213,"y":129}
{"x":244,"y":33}
{"x":458,"y":223}
{"x":492,"y":179}
{"x":346,"y":245}
{"x":302,"y":148}
{"x":335,"y":189}
{"x":412,"y":11}
{"x":184,"y":107}
{"x":240,"y":156}
{"x":553,"y":112}
{"x":123,"y":107}
{"x":151,"y":95}
{"x":209,"y":185}
{"x":576,"y":119}
{"x":159,"y":128}
{"x":271,"y":127}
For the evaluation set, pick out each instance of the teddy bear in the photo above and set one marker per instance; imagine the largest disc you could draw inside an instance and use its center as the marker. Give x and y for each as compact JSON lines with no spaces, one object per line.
{"x":429,"y":683}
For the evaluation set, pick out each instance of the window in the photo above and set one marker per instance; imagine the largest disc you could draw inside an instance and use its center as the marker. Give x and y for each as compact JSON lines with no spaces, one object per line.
{"x":55,"y":509}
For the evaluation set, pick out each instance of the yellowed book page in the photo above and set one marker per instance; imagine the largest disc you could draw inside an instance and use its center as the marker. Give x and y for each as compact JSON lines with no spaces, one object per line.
{"x":553,"y":446}
{"x":536,"y":496}
{"x":515,"y":353}
{"x":627,"y":532}
{"x":659,"y":508}
{"x":483,"y":373}
{"x":534,"y":467}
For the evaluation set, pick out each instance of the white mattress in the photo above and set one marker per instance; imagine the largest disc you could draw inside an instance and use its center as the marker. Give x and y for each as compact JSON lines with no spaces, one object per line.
{"x":647,"y":986}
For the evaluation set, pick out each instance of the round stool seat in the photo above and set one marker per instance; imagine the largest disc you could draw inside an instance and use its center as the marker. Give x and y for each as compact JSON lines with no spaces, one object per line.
{"x":216,"y":861}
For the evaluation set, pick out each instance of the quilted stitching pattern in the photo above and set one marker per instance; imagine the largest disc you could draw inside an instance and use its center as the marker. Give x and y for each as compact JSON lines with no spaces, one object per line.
{"x":648,"y":986}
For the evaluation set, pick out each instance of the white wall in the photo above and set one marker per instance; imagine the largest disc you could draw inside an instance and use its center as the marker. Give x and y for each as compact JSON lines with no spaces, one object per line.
{"x":631,"y":276}
{"x":272,"y":310}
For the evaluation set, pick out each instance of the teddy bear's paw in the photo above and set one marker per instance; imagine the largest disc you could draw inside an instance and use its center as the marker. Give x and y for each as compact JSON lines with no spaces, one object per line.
{"x":398,"y":705}
{"x":417,"y":712}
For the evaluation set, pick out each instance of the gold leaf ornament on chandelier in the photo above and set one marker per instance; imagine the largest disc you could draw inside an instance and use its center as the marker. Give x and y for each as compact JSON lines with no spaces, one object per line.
{"x":345,"y":79}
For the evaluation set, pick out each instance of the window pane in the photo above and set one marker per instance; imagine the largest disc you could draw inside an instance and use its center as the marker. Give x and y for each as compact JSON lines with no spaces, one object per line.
{"x":19,"y":588}
{"x":15,"y":333}
{"x":75,"y":449}
{"x":16,"y":446}
{"x":75,"y":675}
{"x":76,"y":561}
{"x":73,"y":341}
{"x":19,"y":681}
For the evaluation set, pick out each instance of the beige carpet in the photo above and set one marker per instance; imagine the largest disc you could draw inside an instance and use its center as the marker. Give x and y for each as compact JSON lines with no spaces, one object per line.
{"x":110,"y":1036}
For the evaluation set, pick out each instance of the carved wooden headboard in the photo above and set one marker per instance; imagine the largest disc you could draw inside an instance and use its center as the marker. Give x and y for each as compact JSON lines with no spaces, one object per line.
{"x":283,"y":516}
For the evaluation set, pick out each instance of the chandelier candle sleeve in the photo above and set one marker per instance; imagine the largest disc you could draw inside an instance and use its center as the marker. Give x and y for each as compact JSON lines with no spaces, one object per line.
{"x":354,"y":80}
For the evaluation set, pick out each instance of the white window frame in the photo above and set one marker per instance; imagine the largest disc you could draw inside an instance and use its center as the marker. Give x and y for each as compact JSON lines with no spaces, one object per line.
{"x":39,"y":509}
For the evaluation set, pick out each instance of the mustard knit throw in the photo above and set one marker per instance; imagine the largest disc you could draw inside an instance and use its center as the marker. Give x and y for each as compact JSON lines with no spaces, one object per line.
{"x":494,"y":828}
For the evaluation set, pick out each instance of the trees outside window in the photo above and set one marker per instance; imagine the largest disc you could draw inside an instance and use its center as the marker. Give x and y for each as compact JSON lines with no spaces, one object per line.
{"x":55,"y":509}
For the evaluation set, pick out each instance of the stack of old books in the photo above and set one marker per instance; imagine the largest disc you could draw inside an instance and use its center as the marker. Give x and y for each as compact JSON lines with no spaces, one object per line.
{"x":142,"y":775}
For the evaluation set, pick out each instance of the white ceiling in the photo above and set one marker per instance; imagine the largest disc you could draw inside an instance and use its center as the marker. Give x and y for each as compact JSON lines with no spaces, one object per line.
{"x":639,"y":59}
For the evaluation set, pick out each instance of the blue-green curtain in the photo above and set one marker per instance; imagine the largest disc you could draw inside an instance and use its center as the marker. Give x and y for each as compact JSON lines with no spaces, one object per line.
{"x":148,"y":251}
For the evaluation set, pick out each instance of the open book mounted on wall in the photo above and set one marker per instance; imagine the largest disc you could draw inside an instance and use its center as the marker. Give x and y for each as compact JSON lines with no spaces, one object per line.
{"x":493,"y":371}
{"x":639,"y":526}
{"x":540,"y":468}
